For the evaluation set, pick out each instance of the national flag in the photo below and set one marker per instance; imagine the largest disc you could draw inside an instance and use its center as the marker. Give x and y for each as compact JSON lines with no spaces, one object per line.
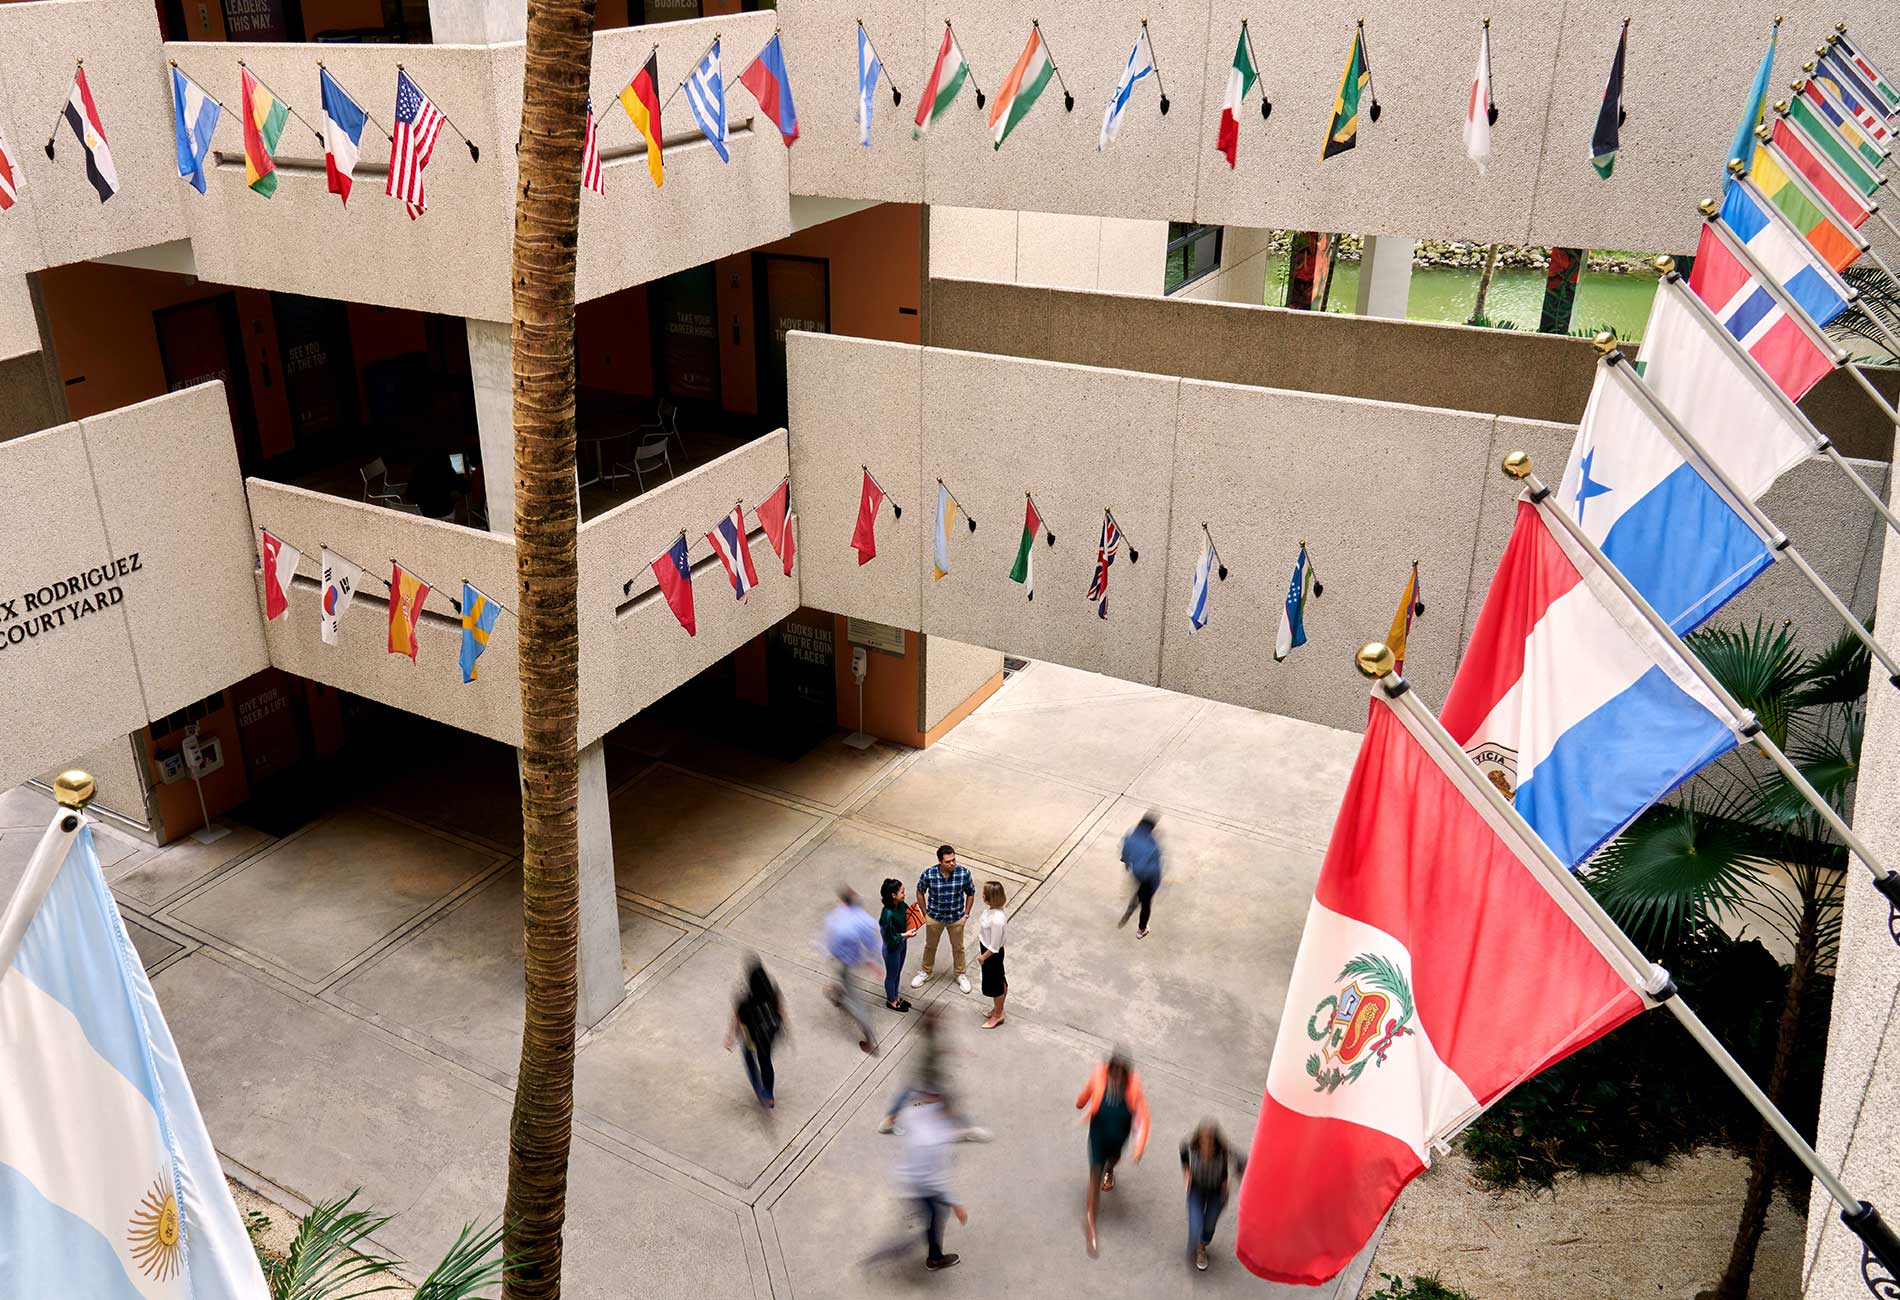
{"x":82,"y":115}
{"x":1020,"y":90}
{"x":343,"y":120}
{"x":641,"y":100}
{"x":1104,"y":557}
{"x":775,"y":517}
{"x":1817,"y":98}
{"x":1439,"y":968}
{"x":869,"y":70}
{"x":1304,"y":586}
{"x":1141,"y":63}
{"x":1843,"y":69}
{"x":1478,"y":105}
{"x":280,"y":566}
{"x":769,"y":83}
{"x":1839,"y":80}
{"x":591,"y":177}
{"x":946,"y":79}
{"x":1756,"y":105}
{"x":1866,"y":68}
{"x":341,"y":579}
{"x":1342,"y":131}
{"x":109,"y":1184}
{"x":9,"y":182}
{"x":478,"y":620}
{"x":1754,"y":316}
{"x":407,"y":593}
{"x":1827,"y":143}
{"x":194,"y":116}
{"x":706,"y":96}
{"x":864,"y":533}
{"x":1828,"y":236}
{"x":1569,"y":701}
{"x":675,"y":576}
{"x":263,"y":116}
{"x":1791,"y":151}
{"x":729,"y":543}
{"x":1775,"y":246}
{"x":1197,"y":594}
{"x":1411,"y":605}
{"x":1240,"y":79}
{"x":1024,"y":570}
{"x":1606,"y":137}
{"x":947,"y":512}
{"x":418,"y":123}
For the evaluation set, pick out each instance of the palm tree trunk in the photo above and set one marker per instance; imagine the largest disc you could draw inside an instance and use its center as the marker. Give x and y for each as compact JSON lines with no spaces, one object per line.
{"x":1484,"y":282}
{"x":1741,"y":1260}
{"x":547,"y":216}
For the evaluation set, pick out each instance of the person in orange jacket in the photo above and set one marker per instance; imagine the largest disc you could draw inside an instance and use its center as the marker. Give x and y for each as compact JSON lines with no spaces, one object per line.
{"x":1116,"y":1107}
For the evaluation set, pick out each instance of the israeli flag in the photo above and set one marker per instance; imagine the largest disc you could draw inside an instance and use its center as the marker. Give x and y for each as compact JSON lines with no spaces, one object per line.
{"x":194,"y":117}
{"x":706,"y":96}
{"x":1141,"y":62}
{"x":869,"y":70}
{"x":109,"y":1186}
{"x":1197,"y":599}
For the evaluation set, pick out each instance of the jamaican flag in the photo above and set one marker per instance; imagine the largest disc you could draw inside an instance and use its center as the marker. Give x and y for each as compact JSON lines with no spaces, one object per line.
{"x":1356,"y":82}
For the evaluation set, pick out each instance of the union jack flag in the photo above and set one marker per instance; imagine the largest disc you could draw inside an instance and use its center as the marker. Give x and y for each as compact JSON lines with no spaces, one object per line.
{"x":418,"y":122}
{"x":591,"y":179}
{"x":1104,"y":556}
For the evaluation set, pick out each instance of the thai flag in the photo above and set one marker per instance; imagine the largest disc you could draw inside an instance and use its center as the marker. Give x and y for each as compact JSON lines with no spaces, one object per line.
{"x":1750,"y":312}
{"x":729,"y":542}
{"x":1567,"y":699}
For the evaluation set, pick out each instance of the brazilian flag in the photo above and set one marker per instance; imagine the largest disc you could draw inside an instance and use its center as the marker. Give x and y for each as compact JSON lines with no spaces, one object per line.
{"x":1356,"y":83}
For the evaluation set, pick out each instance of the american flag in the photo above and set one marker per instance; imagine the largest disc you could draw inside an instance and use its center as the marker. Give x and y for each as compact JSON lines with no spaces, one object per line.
{"x":591,"y":178}
{"x":418,"y":122}
{"x":9,"y":187}
{"x":1104,"y":556}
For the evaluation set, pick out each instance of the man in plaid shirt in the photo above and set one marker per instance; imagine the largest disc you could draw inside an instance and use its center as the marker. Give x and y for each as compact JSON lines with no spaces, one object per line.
{"x":948,"y":893}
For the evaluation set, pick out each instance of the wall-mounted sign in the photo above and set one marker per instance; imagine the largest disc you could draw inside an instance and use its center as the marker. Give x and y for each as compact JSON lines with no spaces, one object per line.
{"x":255,"y":20}
{"x":875,"y":636}
{"x":43,"y":610}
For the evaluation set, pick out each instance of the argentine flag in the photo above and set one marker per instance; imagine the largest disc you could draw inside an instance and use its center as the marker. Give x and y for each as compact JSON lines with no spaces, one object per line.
{"x":869,"y":70}
{"x":109,"y":1187}
{"x":194,"y":117}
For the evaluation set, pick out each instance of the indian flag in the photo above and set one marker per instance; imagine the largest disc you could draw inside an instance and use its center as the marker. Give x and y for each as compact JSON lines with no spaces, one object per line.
{"x":1019,"y":93}
{"x":264,"y":116}
{"x":1024,"y":570}
{"x":946,"y":79}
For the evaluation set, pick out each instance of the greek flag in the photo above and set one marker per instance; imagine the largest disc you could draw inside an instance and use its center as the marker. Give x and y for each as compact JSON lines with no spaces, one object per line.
{"x":869,"y":70}
{"x":706,"y":96}
{"x":1141,"y":62}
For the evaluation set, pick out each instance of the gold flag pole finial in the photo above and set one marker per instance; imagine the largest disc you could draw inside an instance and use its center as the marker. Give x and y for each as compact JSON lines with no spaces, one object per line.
{"x":1708,"y":207}
{"x":1736,"y":167}
{"x":74,"y":788}
{"x":1375,"y":659}
{"x":1604,"y":343}
{"x":1517,"y":464}
{"x":1664,"y":265}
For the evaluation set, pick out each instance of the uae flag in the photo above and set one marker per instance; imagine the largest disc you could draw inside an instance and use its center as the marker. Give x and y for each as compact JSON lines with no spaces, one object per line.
{"x":1024,"y":570}
{"x":83,"y":117}
{"x":1439,"y":968}
{"x":946,"y":79}
{"x":1240,"y":79}
{"x":280,"y":566}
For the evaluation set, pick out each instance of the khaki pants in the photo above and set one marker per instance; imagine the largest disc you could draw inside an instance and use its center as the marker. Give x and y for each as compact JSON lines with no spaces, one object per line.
{"x":933,"y":930}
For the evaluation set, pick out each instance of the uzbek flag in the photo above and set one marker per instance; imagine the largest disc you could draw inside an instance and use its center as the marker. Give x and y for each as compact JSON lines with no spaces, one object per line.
{"x":406,"y":594}
{"x":1024,"y":570}
{"x":946,"y":79}
{"x":1342,"y":133}
{"x":264,"y":117}
{"x":1019,"y":92}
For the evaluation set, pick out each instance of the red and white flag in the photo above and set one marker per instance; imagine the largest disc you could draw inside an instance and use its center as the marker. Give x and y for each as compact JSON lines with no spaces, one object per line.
{"x":775,"y":518}
{"x":1478,"y":105}
{"x":412,"y":144}
{"x":1439,"y":969}
{"x":280,"y":566}
{"x":9,"y":182}
{"x":591,"y":178}
{"x":864,"y":536}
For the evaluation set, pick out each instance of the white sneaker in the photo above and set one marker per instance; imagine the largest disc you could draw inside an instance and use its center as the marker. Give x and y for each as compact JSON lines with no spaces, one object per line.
{"x":975,"y":1133}
{"x":963,"y":982}
{"x":920,"y":979}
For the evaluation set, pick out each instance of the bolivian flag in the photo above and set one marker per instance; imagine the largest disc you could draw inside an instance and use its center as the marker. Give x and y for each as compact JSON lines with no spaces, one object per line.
{"x":1343,"y":132}
{"x":641,"y":99}
{"x":264,"y":116}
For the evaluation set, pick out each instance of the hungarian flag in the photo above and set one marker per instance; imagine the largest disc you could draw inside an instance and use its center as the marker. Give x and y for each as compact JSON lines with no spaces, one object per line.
{"x":82,"y":115}
{"x":280,"y":566}
{"x":1478,"y":110}
{"x":946,"y":79}
{"x":769,"y":83}
{"x":864,"y":535}
{"x":1024,"y":570}
{"x":406,"y":594}
{"x":264,"y":117}
{"x":675,"y":577}
{"x":9,"y":184}
{"x":1024,"y":85}
{"x":1606,"y":138}
{"x":1439,"y":968}
{"x":641,"y":99}
{"x":1411,"y":605}
{"x":775,"y":518}
{"x":1240,"y":79}
{"x":1342,"y":132}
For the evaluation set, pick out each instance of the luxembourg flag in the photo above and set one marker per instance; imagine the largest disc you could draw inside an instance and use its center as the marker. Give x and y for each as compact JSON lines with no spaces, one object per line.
{"x":1753,"y":315}
{"x":729,"y":543}
{"x":343,"y":120}
{"x":109,"y":1186}
{"x":1568,"y":700}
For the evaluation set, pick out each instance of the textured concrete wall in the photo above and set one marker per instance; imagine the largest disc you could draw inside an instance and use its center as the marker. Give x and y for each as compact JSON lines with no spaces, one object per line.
{"x":1242,"y":274}
{"x":1110,"y":254}
{"x":954,"y":671}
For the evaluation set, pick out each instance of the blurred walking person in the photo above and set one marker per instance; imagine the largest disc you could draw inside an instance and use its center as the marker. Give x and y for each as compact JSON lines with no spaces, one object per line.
{"x":758,"y":1018}
{"x":947,"y":892}
{"x":924,"y":1173}
{"x":851,"y":939}
{"x":1116,"y":1108}
{"x":930,"y":1077}
{"x":1141,"y":852}
{"x":1206,"y":1162}
{"x":990,"y":928}
{"x":894,"y":927}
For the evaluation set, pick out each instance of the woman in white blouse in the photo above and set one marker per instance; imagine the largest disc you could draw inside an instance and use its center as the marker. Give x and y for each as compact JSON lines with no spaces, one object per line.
{"x":989,"y":953}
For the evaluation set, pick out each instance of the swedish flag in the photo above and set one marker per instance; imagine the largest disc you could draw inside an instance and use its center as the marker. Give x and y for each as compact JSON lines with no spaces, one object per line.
{"x":478,"y":619}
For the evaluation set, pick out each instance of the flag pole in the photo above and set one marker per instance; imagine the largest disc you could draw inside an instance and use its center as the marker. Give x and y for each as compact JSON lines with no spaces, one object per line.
{"x":364,"y":111}
{"x":1253,"y":56}
{"x":455,"y":604}
{"x":280,"y":99}
{"x":1365,"y":57}
{"x":626,"y":588}
{"x":1219,"y":564}
{"x":474,"y":154}
{"x":967,"y":518}
{"x":897,"y":511}
{"x":201,"y":90}
{"x":1517,"y":465}
{"x":1800,"y":87}
{"x":1031,"y":498}
{"x":53,"y":135}
{"x":883,"y":68}
{"x":1835,"y":102}
{"x":1376,"y":661}
{"x":1155,"y":63}
{"x":694,"y":65}
{"x":1134,"y":556}
{"x":968,"y":72}
{"x":1491,"y":104}
{"x":74,"y":790}
{"x":1068,"y":100}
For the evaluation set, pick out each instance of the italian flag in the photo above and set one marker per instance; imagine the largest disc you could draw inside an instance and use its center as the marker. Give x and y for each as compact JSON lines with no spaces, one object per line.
{"x":946,"y":79}
{"x":1019,"y":93}
{"x":1240,"y":79}
{"x":1024,"y":570}
{"x":264,"y":118}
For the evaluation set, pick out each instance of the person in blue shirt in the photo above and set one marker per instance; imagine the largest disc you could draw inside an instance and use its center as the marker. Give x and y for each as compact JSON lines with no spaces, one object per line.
{"x":851,"y":939}
{"x":948,"y":892}
{"x":1142,"y":855}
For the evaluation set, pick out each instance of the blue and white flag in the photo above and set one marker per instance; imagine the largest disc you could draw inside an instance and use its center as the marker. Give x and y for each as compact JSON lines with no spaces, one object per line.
{"x":1197,"y":599}
{"x":194,"y":116}
{"x":869,"y":70}
{"x":706,"y":96}
{"x":109,"y":1186}
{"x":343,"y":120}
{"x":1304,"y":586}
{"x":1141,"y":63}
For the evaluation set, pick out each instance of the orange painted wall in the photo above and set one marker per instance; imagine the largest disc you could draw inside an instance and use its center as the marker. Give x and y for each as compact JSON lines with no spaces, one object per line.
{"x":891,"y":691}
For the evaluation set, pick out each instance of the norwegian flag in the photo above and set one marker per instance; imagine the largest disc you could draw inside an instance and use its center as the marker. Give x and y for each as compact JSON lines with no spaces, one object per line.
{"x":418,"y":123}
{"x":9,"y":187}
{"x":1104,"y":556}
{"x":729,"y":543}
{"x":591,"y":178}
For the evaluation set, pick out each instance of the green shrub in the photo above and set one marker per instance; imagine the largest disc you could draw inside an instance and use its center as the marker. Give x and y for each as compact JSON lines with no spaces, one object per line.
{"x":1417,"y":1288}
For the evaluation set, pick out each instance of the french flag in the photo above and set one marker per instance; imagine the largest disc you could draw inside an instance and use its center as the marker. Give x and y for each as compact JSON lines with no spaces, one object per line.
{"x":1747,"y":308}
{"x":729,"y":543}
{"x":1569,"y":701}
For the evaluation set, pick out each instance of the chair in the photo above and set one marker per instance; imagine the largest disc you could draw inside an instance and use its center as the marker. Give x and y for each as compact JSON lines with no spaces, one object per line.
{"x":376,"y":484}
{"x":666,"y":419}
{"x":647,"y":459}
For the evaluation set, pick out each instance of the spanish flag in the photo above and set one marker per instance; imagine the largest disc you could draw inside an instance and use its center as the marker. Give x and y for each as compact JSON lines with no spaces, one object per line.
{"x":641,"y":99}
{"x":1342,"y":133}
{"x":406,"y":594}
{"x":1410,"y":607}
{"x":264,"y":116}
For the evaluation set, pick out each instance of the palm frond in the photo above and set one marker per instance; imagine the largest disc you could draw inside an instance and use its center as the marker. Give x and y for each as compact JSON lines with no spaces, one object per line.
{"x":1834,"y":676}
{"x":327,"y":1256}
{"x":1676,"y":866}
{"x":471,"y":1265}
{"x":1760,"y":666}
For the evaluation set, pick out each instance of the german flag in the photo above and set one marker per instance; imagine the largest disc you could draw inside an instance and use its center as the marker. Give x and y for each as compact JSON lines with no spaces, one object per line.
{"x":641,"y":99}
{"x":1342,"y":133}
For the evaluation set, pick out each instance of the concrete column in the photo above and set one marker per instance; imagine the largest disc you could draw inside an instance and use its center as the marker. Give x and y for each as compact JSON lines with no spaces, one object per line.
{"x":477,"y":22}
{"x":1385,"y":277}
{"x":602,"y":973}
{"x":491,"y":369}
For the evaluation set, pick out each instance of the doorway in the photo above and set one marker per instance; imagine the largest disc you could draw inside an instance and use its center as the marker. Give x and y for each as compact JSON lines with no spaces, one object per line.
{"x":789,"y":293}
{"x":201,"y":340}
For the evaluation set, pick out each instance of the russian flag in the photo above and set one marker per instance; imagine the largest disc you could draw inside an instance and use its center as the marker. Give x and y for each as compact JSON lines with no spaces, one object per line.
{"x":766,"y":78}
{"x":1754,"y":316}
{"x":729,"y":543}
{"x":1569,"y":701}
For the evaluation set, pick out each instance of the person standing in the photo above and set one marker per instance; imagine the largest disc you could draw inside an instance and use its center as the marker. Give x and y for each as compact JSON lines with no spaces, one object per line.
{"x":1116,"y":1108}
{"x":893,"y":923}
{"x":989,"y":950}
{"x":758,"y":1018}
{"x":948,"y":893}
{"x":851,"y":939}
{"x":924,"y":1172}
{"x":1206,"y":1161}
{"x":1141,"y":852}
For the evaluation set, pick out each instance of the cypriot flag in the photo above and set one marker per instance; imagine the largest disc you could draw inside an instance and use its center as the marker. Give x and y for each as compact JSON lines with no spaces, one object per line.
{"x":109,"y":1186}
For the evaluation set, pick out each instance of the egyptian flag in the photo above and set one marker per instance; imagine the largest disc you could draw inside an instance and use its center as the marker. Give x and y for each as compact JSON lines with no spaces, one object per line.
{"x":1606,"y":139}
{"x":83,"y":117}
{"x":775,"y":518}
{"x":280,"y":566}
{"x":641,"y":99}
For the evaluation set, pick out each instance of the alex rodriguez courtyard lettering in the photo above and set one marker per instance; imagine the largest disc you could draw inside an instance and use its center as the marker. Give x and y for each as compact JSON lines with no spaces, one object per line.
{"x":47,"y":608}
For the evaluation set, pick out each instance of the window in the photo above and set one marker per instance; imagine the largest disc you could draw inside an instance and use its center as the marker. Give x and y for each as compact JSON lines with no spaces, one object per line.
{"x":1193,"y":251}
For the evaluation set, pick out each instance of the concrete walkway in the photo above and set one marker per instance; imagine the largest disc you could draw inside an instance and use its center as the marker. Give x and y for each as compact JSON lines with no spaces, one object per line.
{"x":348,"y":998}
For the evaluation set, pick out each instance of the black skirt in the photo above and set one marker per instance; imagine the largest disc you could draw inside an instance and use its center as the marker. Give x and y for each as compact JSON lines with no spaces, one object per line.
{"x":995,"y":982}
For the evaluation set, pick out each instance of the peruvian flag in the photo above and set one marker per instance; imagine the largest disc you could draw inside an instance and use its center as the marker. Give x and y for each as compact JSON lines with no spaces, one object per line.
{"x":775,"y":518}
{"x":280,"y":566}
{"x":1439,"y":968}
{"x":1240,"y":79}
{"x":864,"y":536}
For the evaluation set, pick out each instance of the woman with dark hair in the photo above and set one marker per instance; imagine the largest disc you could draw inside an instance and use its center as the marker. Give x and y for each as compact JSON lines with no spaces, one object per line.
{"x":893,"y":923}
{"x":758,"y":1018}
{"x":1206,"y":1162}
{"x":1116,"y":1108}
